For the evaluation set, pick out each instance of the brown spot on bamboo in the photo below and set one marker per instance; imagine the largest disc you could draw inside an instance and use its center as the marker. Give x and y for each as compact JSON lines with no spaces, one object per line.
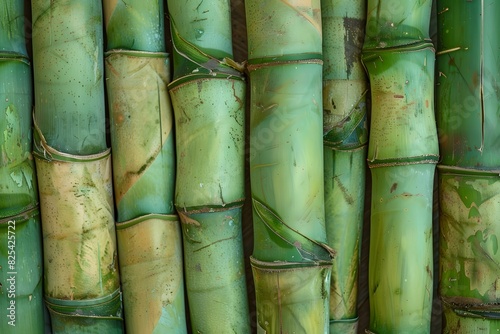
{"x":394,"y":187}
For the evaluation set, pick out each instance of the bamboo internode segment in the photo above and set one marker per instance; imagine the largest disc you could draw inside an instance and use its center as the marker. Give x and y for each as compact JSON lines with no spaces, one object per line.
{"x":402,"y":155}
{"x":80,"y":255}
{"x":215,"y":271}
{"x":468,"y":125}
{"x":143,"y":161}
{"x":467,"y":85}
{"x":12,"y":24}
{"x":134,"y":25}
{"x":220,"y":180}
{"x":18,"y":190}
{"x":69,"y":74}
{"x":345,"y":131}
{"x":150,"y":254}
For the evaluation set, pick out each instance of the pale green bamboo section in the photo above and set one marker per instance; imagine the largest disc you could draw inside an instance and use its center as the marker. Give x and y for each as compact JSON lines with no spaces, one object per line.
{"x":209,"y":197}
{"x":402,"y":154}
{"x":345,"y":125}
{"x":134,"y":25}
{"x":21,"y":296}
{"x":12,"y":23}
{"x":150,"y":249}
{"x":400,"y":261}
{"x":468,"y":123}
{"x":142,"y":137}
{"x":68,"y":74}
{"x":18,"y":190}
{"x":78,"y":226}
{"x":215,"y":271}
{"x":286,"y":166}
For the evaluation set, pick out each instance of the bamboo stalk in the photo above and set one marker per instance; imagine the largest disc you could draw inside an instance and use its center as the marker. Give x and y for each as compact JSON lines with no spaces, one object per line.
{"x":208,"y":96}
{"x":402,"y":153}
{"x":74,"y":167}
{"x":345,"y":144}
{"x":467,"y":114}
{"x":143,"y":168}
{"x":21,"y":300}
{"x":286,"y":166}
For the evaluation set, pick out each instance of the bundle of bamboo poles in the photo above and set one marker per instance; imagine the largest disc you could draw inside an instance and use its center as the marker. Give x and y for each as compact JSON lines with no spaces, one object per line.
{"x":81,"y":282}
{"x":402,"y":155}
{"x":291,"y":262}
{"x":345,"y":89}
{"x":208,"y":97}
{"x":468,"y":118}
{"x":21,"y":295}
{"x":142,"y":141}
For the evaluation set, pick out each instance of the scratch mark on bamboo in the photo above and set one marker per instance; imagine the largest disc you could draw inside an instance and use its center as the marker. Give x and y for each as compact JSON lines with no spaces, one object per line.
{"x":449,"y":50}
{"x":213,"y":243}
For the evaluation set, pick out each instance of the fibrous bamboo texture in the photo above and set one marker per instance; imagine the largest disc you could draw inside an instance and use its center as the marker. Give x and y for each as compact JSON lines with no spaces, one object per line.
{"x":402,"y":154}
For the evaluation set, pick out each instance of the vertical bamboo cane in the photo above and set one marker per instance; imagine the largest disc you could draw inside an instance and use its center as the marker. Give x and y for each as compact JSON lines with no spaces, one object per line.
{"x":468,"y":122}
{"x":208,"y":96}
{"x":402,"y":154}
{"x":143,"y":168}
{"x":345,"y":142}
{"x":21,"y":294}
{"x":291,"y":262}
{"x":80,"y":256}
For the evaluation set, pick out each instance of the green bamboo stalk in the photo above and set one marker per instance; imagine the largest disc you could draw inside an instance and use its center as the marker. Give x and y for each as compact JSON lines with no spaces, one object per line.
{"x":150,"y":250}
{"x":209,"y":197}
{"x":12,"y":27}
{"x":345,"y":144}
{"x":135,"y":25}
{"x":402,"y":153}
{"x":208,"y":96}
{"x":467,"y":115}
{"x":68,"y":74}
{"x":142,"y":141}
{"x":21,"y":301}
{"x":73,"y":163}
{"x":286,"y":166}
{"x":142,"y":138}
